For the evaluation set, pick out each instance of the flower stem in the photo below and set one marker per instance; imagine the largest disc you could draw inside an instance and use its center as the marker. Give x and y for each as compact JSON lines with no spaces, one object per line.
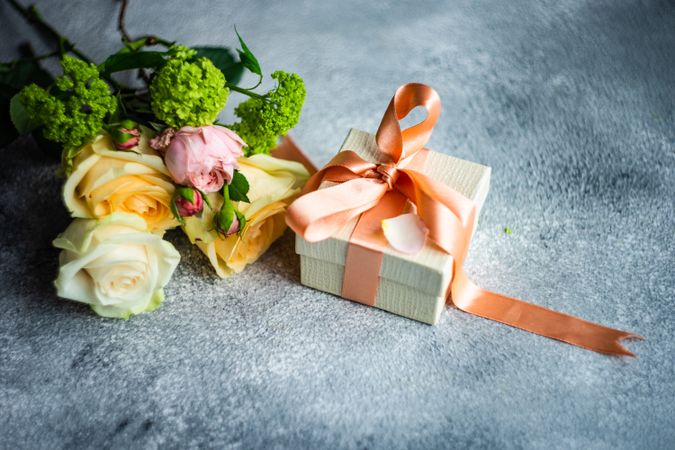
{"x":234,"y":87}
{"x":147,"y":40}
{"x":135,"y":44}
{"x":32,"y":16}
{"x":121,"y":27}
{"x":31,"y":58}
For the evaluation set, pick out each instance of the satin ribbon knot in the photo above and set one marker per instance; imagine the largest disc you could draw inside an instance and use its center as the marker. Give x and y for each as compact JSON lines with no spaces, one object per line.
{"x":387,"y":172}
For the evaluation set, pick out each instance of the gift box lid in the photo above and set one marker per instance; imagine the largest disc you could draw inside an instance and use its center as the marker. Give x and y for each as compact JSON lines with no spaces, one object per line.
{"x":429,"y":270}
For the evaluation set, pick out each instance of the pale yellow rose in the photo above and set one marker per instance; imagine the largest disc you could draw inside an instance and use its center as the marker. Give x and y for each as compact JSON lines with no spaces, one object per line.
{"x":274,"y":184}
{"x":105,"y":181}
{"x":114,"y":264}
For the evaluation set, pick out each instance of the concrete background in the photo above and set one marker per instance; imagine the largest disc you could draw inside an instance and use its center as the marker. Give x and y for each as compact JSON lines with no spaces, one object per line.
{"x":571,"y":103}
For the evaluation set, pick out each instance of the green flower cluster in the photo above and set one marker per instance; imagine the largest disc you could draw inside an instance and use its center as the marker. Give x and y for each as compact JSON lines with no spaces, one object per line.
{"x":187,"y":91}
{"x":264,"y":120}
{"x":77,"y":110}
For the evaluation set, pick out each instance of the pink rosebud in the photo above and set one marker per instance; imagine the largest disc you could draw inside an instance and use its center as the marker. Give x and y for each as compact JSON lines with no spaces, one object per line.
{"x":188,"y":202}
{"x":131,"y":142}
{"x":127,"y":135}
{"x":228,"y":217}
{"x":234,"y":228}
{"x":203,"y":157}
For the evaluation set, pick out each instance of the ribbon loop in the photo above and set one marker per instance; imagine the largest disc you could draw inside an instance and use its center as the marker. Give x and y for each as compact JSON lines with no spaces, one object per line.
{"x":396,"y":144}
{"x":374,"y":192}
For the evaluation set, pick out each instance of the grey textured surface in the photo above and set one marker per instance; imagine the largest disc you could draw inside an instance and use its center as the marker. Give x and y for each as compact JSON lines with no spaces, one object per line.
{"x":573,"y":105}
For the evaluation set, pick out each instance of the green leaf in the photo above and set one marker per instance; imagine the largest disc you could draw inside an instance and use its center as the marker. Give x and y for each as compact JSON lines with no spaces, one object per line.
{"x":225,"y":60}
{"x":186,"y":192}
{"x":239,"y":187}
{"x":174,"y":211}
{"x":158,"y":127}
{"x":20,"y":73}
{"x":134,"y":46}
{"x":242,"y":221}
{"x":247,"y":58}
{"x":128,"y":124}
{"x":22,"y":121}
{"x":13,"y":77}
{"x":205,"y":198}
{"x":67,"y":157}
{"x":120,"y":137}
{"x":138,"y":60}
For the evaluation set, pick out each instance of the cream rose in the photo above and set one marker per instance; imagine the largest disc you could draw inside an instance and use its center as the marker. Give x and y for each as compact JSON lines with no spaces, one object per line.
{"x":114,"y":264}
{"x":274,"y":184}
{"x":105,"y":180}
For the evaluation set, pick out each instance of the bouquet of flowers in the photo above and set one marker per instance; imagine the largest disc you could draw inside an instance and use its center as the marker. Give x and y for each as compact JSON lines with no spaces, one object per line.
{"x":141,"y":160}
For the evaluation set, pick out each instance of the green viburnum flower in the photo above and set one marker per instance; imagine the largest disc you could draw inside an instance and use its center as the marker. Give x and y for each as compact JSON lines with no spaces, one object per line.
{"x":77,"y":108}
{"x":264,"y":120}
{"x":182,"y":52}
{"x":188,"y":91}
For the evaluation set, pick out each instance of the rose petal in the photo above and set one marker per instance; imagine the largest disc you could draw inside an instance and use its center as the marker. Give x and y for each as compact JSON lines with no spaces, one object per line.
{"x":406,"y":233}
{"x":114,"y":264}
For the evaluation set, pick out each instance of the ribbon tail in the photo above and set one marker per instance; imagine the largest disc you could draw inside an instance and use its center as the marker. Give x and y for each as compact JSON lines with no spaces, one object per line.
{"x":542,"y":321}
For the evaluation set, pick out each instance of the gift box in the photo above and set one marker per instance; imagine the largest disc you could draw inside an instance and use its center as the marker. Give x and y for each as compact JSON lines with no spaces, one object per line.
{"x":410,"y":285}
{"x":388,"y":223}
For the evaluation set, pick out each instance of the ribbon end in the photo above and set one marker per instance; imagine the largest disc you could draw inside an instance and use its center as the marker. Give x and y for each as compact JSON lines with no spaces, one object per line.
{"x":620,"y":350}
{"x":623,"y":351}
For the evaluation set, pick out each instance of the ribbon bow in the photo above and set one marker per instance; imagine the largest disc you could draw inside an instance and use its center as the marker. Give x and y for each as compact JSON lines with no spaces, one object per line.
{"x":377,"y":191}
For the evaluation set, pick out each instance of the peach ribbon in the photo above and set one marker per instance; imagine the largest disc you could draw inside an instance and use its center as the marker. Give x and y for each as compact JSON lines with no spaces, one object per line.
{"x":376,"y":191}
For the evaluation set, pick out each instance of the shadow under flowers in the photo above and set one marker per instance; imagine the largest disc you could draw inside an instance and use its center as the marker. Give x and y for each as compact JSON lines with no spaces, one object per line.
{"x":280,"y":260}
{"x":31,"y":216}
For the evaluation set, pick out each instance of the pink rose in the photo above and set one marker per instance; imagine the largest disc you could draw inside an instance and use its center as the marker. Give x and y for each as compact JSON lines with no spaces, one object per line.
{"x":162,"y":140}
{"x":203,"y":157}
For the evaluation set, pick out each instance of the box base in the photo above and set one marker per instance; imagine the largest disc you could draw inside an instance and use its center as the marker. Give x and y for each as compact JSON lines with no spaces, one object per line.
{"x":393,"y":297}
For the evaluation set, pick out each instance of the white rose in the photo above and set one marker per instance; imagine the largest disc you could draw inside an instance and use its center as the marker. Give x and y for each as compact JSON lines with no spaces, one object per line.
{"x":114,"y":264}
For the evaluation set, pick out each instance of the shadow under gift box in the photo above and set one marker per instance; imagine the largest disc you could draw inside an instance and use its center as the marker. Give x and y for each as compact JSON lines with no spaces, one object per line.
{"x":414,"y":285}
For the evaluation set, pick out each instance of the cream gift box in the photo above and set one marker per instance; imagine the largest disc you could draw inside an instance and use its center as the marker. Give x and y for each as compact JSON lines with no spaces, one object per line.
{"x":414,"y":285}
{"x":386,"y":192}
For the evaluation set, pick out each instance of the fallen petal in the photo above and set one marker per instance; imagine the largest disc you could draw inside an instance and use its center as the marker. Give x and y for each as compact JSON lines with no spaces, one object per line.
{"x":406,"y":233}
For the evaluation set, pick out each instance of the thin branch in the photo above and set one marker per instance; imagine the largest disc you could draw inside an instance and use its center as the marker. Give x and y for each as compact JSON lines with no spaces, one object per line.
{"x":126,"y":38}
{"x":147,"y":40}
{"x":234,"y":87}
{"x":65,"y":45}
{"x":32,"y":16}
{"x":257,"y":84}
{"x":31,"y":58}
{"x":121,"y":27}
